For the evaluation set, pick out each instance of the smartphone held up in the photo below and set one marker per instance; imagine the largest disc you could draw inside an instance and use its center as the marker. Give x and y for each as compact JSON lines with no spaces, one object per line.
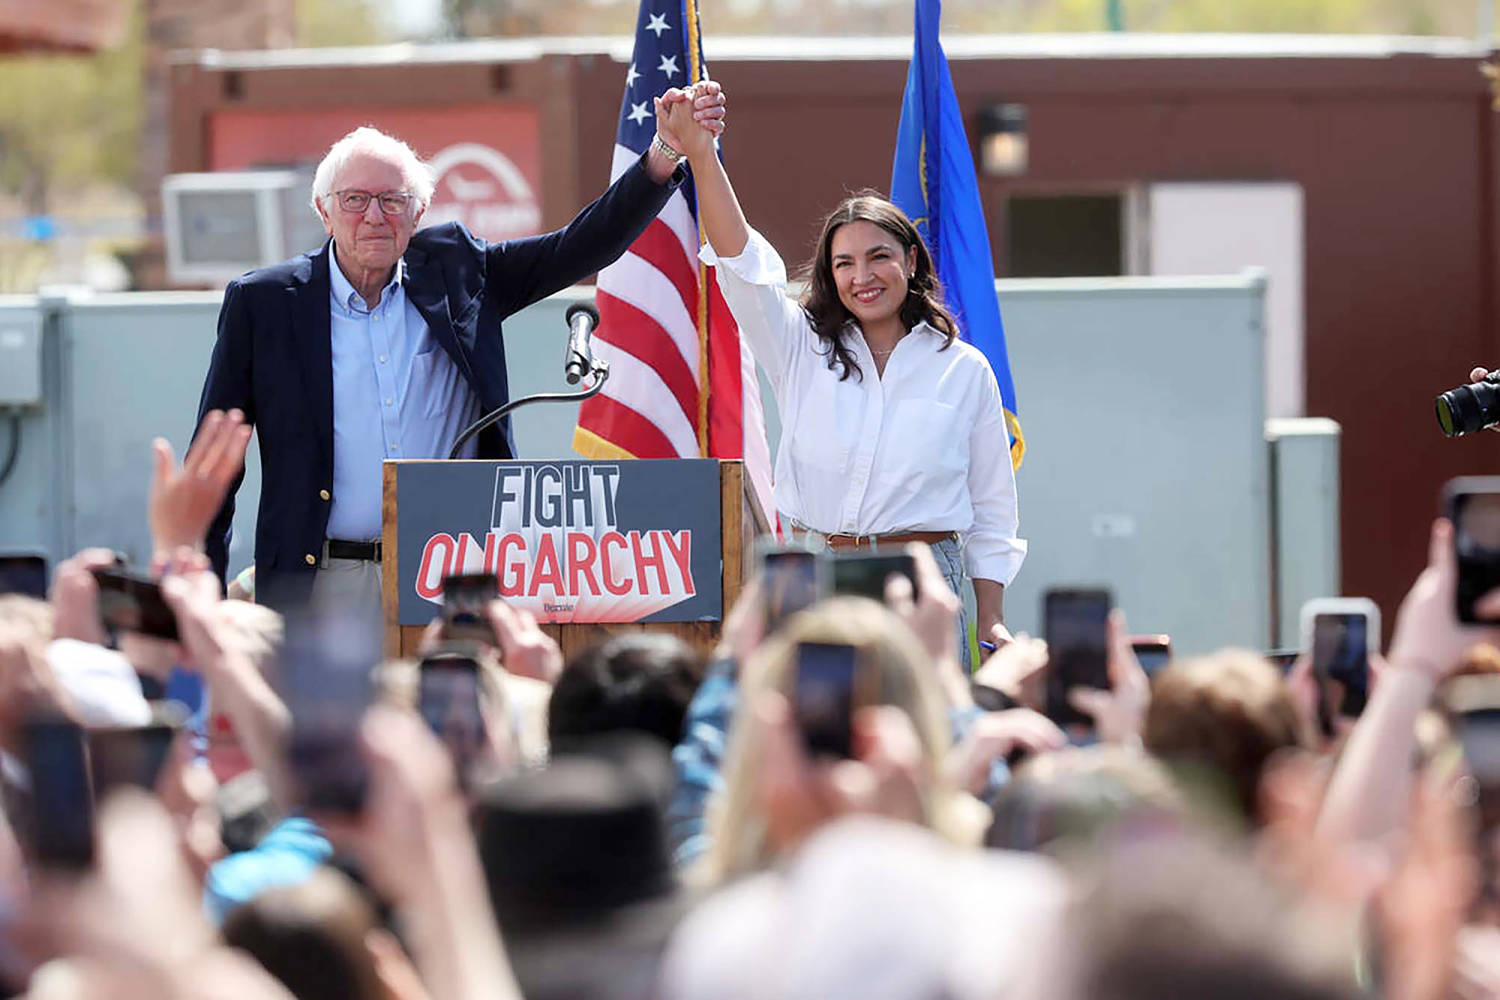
{"x":794,"y":577}
{"x":1076,"y":623}
{"x":449,"y":701}
{"x":326,"y":666}
{"x":824,"y":698}
{"x":1472,"y":504}
{"x":129,"y":602}
{"x":1338,"y":635}
{"x":464,"y":599}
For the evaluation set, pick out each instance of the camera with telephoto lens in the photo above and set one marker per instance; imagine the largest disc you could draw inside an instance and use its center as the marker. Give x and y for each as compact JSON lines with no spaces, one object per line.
{"x":1470,"y":409}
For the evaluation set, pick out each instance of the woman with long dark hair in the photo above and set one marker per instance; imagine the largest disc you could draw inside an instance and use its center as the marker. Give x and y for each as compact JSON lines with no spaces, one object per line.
{"x":892,"y":428}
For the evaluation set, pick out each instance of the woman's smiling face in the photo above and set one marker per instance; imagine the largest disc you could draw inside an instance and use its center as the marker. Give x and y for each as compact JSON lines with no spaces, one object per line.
{"x":870,"y":270}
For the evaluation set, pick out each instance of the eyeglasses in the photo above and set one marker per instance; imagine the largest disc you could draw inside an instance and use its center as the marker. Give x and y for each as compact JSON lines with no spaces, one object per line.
{"x":391,"y":202}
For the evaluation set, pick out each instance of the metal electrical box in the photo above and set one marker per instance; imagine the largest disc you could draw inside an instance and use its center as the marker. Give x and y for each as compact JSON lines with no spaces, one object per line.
{"x":1305,"y":518}
{"x":20,"y":356}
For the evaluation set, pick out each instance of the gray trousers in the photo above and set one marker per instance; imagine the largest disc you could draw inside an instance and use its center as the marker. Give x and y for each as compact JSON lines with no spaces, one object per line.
{"x":348,"y":581}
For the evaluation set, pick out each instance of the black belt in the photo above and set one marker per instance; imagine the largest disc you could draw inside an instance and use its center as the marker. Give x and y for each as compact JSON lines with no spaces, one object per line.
{"x":340,"y":549}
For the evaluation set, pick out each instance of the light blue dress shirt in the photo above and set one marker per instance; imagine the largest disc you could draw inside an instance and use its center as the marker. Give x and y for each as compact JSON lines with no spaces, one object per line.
{"x":396,"y":394}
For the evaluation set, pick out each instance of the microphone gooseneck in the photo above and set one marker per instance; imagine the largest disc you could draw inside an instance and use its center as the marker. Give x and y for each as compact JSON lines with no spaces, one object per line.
{"x":582,"y":320}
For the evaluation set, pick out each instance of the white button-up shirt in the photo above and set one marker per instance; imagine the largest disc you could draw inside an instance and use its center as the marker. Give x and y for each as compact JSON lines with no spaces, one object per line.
{"x":923,"y":448}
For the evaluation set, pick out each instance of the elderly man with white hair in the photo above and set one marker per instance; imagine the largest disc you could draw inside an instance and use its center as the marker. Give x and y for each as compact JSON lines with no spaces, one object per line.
{"x":385,"y":343}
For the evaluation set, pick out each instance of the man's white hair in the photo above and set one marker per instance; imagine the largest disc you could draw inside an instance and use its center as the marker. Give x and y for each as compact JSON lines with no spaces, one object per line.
{"x":373,"y":142}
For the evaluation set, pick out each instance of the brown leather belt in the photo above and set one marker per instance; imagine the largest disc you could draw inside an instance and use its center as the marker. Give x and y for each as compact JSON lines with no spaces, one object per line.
{"x":843,"y":543}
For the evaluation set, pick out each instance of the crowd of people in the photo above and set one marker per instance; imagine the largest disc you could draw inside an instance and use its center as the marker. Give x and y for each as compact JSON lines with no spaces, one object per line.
{"x":637,"y":823}
{"x":208,"y":796}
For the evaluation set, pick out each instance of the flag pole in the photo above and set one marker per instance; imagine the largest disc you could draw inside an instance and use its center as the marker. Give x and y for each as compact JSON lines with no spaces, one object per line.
{"x":695,"y":60}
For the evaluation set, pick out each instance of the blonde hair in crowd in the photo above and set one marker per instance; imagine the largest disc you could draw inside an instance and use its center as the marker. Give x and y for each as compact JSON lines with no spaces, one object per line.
{"x":896,"y":673}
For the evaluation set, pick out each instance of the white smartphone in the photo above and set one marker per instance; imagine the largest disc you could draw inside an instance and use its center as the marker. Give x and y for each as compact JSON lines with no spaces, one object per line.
{"x":1339,"y":634}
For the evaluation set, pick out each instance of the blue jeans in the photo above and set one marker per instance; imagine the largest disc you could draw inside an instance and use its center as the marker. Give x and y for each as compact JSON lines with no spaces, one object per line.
{"x":950,"y":561}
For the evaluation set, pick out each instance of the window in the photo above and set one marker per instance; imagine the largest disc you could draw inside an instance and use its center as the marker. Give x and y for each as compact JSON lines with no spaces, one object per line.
{"x":1065,"y":236}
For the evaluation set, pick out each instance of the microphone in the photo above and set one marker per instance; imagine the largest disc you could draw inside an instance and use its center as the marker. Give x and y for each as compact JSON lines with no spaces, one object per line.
{"x":579,"y":361}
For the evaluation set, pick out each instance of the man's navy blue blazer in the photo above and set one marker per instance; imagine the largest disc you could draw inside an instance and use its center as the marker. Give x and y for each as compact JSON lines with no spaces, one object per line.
{"x":273,"y":357}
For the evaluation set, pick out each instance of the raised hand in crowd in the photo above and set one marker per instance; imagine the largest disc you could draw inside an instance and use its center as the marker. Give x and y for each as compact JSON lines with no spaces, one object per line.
{"x":133,"y":928}
{"x":521,"y":645}
{"x":27,"y":684}
{"x":415,"y":844}
{"x":184,"y":499}
{"x":1477,"y":374}
{"x":1422,"y":905}
{"x":1018,"y":670}
{"x":1428,"y":637}
{"x":525,"y":650}
{"x":994,"y":736}
{"x":799,"y":794}
{"x":1369,"y":791}
{"x":1119,"y":712}
{"x":745,"y":625}
{"x":75,"y":596}
{"x":933,"y":618}
{"x":237,"y":685}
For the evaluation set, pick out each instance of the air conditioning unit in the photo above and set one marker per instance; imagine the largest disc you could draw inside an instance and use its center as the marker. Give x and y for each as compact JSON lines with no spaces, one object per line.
{"x":220,"y":225}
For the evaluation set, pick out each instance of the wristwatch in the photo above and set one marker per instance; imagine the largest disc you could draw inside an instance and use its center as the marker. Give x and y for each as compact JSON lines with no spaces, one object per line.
{"x":660,"y":145}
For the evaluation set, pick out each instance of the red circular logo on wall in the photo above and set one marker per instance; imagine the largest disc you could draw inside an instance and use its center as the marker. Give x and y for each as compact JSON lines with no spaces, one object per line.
{"x":480,"y":187}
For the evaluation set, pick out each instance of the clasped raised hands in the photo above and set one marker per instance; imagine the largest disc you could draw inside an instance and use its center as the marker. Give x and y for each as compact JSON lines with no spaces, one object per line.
{"x":690,"y":119}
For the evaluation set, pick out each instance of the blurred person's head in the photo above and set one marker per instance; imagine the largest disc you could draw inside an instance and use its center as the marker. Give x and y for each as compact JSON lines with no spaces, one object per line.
{"x":258,"y":631}
{"x":579,"y":871}
{"x":320,"y":939}
{"x":101,"y":685}
{"x":637,"y":681}
{"x":1217,"y":720}
{"x":1063,"y":801}
{"x":893,"y":671}
{"x":874,"y":909}
{"x":1183,"y":918}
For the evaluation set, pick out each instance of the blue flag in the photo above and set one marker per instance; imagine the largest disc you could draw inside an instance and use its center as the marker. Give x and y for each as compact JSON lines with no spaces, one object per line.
{"x":933,"y":181}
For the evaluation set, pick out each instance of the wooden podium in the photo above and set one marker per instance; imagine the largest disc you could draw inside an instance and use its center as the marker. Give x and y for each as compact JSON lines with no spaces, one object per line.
{"x":740,"y":521}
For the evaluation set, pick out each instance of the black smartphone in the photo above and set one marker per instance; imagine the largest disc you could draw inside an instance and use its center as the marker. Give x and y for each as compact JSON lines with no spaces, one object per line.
{"x":134,"y":604}
{"x":133,"y":755}
{"x":823,"y":699}
{"x":1282,"y":659}
{"x":1153,"y":651}
{"x":791,"y":579}
{"x":24,"y":573}
{"x":1340,"y":650}
{"x":325,"y":669}
{"x":865,"y":575}
{"x":448,"y":699}
{"x":1076,"y":622}
{"x":62,"y":796}
{"x":1472,"y":503}
{"x":464,"y":598}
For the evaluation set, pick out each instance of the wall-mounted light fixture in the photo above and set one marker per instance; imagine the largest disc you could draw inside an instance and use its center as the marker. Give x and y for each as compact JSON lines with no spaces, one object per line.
{"x":1002,"y":140}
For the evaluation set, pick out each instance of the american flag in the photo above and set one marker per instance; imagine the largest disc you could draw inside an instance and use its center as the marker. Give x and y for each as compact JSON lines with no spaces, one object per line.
{"x":682,"y":384}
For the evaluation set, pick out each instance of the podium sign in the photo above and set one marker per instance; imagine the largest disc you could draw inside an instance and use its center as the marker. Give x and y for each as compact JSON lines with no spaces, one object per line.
{"x":570,"y":541}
